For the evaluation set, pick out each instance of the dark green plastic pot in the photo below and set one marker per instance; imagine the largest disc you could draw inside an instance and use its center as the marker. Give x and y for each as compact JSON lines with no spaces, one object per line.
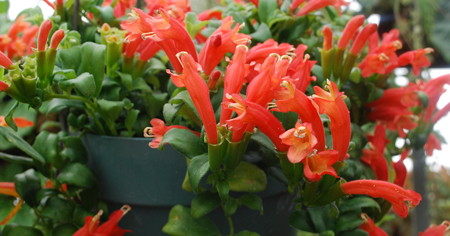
{"x":149,"y":180}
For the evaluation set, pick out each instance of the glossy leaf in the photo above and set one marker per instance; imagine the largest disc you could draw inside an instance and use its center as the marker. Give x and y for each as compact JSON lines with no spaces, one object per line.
{"x":359,"y":202}
{"x":348,"y":221}
{"x":181,"y":223}
{"x":17,"y":141}
{"x":74,"y":150}
{"x":56,"y":105}
{"x":78,"y":175}
{"x":203,"y":203}
{"x":247,"y":233}
{"x":247,"y":178}
{"x":15,"y":230}
{"x":198,"y":167}
{"x":64,"y":230}
{"x":16,"y":159}
{"x":58,"y":209}
{"x":27,"y":185}
{"x":47,"y":144}
{"x":252,"y":201}
{"x":266,"y":9}
{"x":92,"y":61}
{"x":185,"y":142}
{"x":84,"y":85}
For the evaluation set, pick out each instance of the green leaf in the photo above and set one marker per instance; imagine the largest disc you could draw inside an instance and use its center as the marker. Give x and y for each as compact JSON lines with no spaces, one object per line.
{"x":56,"y":105}
{"x":110,"y":109}
{"x":204,"y":203}
{"x":93,"y":62}
{"x":169,"y":111}
{"x":131,"y":118}
{"x":16,"y":159}
{"x":27,"y":185}
{"x":58,"y":209}
{"x":74,"y":149}
{"x":69,"y":58}
{"x":193,"y":25}
{"x":47,"y":144}
{"x":265,"y":10}
{"x":9,"y":116}
{"x":230,"y":206}
{"x":15,"y":230}
{"x":78,"y":175}
{"x":348,"y":221}
{"x":127,"y":80}
{"x":301,"y":220}
{"x":183,"y":97}
{"x":198,"y":167}
{"x":247,"y":178}
{"x":184,"y":141}
{"x":252,"y":201}
{"x":154,"y":102}
{"x":247,"y":233}
{"x":84,"y":85}
{"x":4,"y":6}
{"x":359,"y":203}
{"x":181,"y":223}
{"x":17,"y":141}
{"x":64,"y":230}
{"x":262,"y":33}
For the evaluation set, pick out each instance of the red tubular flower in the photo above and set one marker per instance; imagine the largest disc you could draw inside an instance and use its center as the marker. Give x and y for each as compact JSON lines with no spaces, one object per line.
{"x":319,"y":164}
{"x":199,"y":92}
{"x":159,"y":129}
{"x":436,"y":230}
{"x":327,"y":38}
{"x":292,"y":99}
{"x":6,"y":63}
{"x":314,"y":5}
{"x":332,"y":104}
{"x":393,"y":193}
{"x":362,"y":38}
{"x":301,"y":141}
{"x":433,"y":143}
{"x":234,"y":79}
{"x":261,"y":51}
{"x":222,"y":41}
{"x":300,"y":68}
{"x":434,"y":89}
{"x":44,"y":30}
{"x":260,"y":89}
{"x":400,"y":169}
{"x":50,"y":4}
{"x":20,"y":121}
{"x":91,"y":226}
{"x":56,"y":38}
{"x":137,"y":24}
{"x":171,"y":36}
{"x":440,"y":113}
{"x":349,"y":31}
{"x":253,"y":114}
{"x":370,"y":227}
{"x":374,"y":156}
{"x":210,"y":14}
{"x":295,"y":4}
{"x":147,"y":49}
{"x":416,"y":58}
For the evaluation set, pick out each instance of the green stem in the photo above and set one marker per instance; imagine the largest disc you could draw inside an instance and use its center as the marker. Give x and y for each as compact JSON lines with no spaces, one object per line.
{"x":91,"y":107}
{"x":230,"y":223}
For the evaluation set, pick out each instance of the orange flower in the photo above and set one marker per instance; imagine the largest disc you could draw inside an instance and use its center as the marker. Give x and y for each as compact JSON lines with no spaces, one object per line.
{"x":222,"y":41}
{"x":158,"y":130}
{"x":436,"y":230}
{"x":332,"y":104}
{"x":199,"y":92}
{"x":433,"y":143}
{"x":314,"y":5}
{"x":292,"y":99}
{"x":301,"y":141}
{"x":350,"y":30}
{"x":374,"y":156}
{"x":319,"y":164}
{"x":416,"y":58}
{"x":400,"y":198}
{"x":370,"y":227}
{"x":20,"y":122}
{"x":109,"y":228}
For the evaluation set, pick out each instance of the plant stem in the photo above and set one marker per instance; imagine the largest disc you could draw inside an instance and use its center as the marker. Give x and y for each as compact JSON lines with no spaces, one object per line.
{"x":91,"y":107}
{"x":230,"y":223}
